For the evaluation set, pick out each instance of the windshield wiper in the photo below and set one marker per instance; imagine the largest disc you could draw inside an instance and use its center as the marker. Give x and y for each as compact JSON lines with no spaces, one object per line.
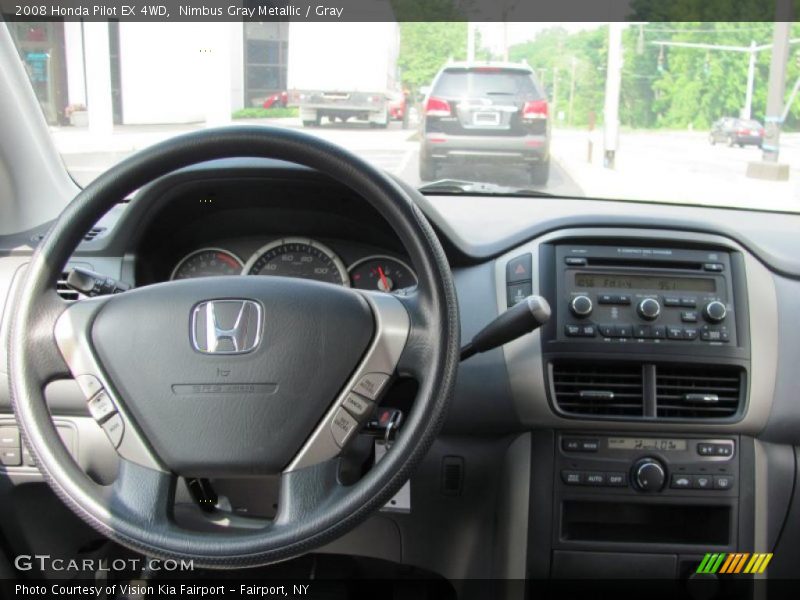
{"x":459,"y":186}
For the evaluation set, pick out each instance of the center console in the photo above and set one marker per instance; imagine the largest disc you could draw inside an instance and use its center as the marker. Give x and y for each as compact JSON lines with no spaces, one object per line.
{"x":646,"y":367}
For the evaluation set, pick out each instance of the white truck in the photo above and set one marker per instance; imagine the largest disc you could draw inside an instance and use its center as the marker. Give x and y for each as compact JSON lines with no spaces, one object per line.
{"x":343,"y":72}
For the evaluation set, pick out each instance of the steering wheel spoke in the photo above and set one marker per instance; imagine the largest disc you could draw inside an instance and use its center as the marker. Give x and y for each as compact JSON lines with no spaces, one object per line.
{"x":302,"y":491}
{"x":140,"y":493}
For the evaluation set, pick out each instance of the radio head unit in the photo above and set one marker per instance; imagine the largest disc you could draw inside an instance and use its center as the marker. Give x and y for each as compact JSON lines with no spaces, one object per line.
{"x":638,"y":295}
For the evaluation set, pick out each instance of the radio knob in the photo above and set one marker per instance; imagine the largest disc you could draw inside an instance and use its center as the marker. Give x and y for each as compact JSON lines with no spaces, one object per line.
{"x":649,"y":309}
{"x":648,"y":475}
{"x":715,"y":311}
{"x":581,"y":306}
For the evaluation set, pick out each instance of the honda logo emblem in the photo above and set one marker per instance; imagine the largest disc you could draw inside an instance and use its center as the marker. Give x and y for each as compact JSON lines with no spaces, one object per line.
{"x":226,"y":326}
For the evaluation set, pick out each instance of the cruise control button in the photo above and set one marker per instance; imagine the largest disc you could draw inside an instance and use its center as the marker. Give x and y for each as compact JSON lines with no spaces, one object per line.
{"x":10,"y":457}
{"x":114,"y":429}
{"x":9,"y":436}
{"x":357,"y":406}
{"x":89,"y":385}
{"x":101,"y":407}
{"x":723,"y":482}
{"x":371,"y":384}
{"x":615,"y":479}
{"x":343,"y":427}
{"x":519,"y":269}
{"x":572,"y":477}
{"x":702,"y":482}
{"x":680,"y":481}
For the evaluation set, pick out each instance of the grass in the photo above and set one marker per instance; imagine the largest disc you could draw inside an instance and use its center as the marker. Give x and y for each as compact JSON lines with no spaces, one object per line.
{"x":265,"y":113}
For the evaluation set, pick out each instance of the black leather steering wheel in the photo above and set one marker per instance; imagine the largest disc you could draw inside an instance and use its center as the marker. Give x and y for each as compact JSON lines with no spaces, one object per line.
{"x":305,"y":363}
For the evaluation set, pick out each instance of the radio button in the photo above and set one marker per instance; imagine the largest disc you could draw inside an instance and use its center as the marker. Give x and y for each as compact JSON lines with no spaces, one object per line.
{"x":672,"y":301}
{"x":641,"y":331}
{"x":715,"y":311}
{"x":680,"y":482}
{"x":688,"y":302}
{"x":689,"y":316}
{"x":690,"y":333}
{"x":622,"y":331}
{"x":658,"y":332}
{"x":623,"y":299}
{"x":605,"y":298}
{"x":714,"y":267}
{"x":588,"y":331}
{"x":723,"y":482}
{"x":581,"y":306}
{"x":606,"y":330}
{"x":675,"y":333}
{"x":649,"y":309}
{"x":572,"y":330}
{"x":575,"y":261}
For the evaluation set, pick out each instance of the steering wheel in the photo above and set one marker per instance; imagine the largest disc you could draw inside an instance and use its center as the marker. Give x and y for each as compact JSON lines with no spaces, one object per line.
{"x":234,"y":376}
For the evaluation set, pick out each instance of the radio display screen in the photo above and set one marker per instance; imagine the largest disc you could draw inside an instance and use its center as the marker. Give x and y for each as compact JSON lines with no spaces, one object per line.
{"x":646,"y":444}
{"x":644,"y":282}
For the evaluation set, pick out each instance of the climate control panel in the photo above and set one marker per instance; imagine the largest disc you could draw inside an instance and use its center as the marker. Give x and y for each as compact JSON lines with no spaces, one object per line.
{"x":647,"y":465}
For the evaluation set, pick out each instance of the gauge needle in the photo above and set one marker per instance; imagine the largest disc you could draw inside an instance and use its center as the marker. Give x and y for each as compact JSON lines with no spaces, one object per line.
{"x":384,"y":280}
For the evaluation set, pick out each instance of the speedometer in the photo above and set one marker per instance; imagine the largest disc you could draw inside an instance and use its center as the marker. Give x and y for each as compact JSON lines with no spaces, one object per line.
{"x":298,"y":257}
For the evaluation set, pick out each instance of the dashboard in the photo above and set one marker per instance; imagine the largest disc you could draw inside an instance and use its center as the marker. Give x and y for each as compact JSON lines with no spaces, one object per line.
{"x":664,"y":382}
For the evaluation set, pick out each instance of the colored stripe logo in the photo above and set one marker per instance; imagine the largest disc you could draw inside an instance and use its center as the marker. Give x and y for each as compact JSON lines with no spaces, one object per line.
{"x":734,"y":562}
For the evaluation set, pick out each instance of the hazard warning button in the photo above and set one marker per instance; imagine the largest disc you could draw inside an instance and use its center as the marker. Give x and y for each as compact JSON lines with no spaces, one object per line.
{"x":519,"y":269}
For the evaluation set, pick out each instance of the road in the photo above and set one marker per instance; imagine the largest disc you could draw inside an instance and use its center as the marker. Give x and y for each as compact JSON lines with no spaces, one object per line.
{"x":663,"y":166}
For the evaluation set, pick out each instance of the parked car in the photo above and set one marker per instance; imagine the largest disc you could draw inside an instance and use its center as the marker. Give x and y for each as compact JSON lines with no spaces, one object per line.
{"x":397,"y":106}
{"x":737,"y":132}
{"x":278,"y":100}
{"x":486,"y":112}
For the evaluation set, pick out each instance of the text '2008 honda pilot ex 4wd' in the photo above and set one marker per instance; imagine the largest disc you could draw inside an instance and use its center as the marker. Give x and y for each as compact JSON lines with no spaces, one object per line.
{"x":248,"y":352}
{"x":486,"y":114}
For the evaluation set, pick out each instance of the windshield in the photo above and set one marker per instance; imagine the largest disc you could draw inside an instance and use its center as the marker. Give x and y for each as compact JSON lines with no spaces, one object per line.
{"x":694,"y":113}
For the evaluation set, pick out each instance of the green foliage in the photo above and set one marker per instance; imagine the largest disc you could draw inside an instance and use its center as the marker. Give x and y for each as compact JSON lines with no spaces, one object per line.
{"x":265,"y":113}
{"x":426,"y":47}
{"x":693,"y":87}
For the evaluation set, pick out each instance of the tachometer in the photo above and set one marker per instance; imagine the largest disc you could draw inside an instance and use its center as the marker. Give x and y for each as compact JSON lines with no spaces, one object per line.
{"x":298,"y":257}
{"x":381,"y":273}
{"x":207,"y":262}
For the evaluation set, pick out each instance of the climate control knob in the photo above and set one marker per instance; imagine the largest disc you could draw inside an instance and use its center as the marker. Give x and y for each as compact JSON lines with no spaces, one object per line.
{"x":581,"y":306}
{"x":648,"y":475}
{"x":715,"y":311}
{"x":649,"y":309}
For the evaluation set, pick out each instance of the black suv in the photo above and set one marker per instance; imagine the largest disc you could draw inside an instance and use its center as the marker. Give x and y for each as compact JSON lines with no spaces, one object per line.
{"x":486,"y":112}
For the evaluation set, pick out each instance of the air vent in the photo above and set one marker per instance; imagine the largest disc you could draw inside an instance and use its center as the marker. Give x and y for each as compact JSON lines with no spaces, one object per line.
{"x":698,"y":392}
{"x":93,"y":233}
{"x":610,"y":389}
{"x":66,"y":292}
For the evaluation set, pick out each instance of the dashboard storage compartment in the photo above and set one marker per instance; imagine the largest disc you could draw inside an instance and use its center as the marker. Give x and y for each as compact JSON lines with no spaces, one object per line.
{"x":645,"y":523}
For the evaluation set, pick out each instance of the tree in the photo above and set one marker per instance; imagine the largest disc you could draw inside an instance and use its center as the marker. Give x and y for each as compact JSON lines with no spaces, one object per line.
{"x":426,"y":47}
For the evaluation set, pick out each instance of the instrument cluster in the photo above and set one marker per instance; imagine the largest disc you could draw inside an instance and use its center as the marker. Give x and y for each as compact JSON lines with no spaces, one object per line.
{"x":300,"y":257}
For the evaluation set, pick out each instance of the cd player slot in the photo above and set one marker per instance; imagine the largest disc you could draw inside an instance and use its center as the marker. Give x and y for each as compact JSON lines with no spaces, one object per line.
{"x":648,"y":264}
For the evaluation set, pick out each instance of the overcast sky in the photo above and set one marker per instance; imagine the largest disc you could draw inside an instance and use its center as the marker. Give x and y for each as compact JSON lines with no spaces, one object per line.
{"x":492,"y":33}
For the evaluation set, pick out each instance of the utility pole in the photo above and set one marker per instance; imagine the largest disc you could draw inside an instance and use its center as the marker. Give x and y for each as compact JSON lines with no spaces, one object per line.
{"x":613,"y":87}
{"x":470,"y":41}
{"x":555,"y":92}
{"x":571,"y":89}
{"x":751,"y":73}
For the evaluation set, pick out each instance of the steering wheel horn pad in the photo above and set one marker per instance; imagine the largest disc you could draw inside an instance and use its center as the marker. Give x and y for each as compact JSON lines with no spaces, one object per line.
{"x":187,"y":397}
